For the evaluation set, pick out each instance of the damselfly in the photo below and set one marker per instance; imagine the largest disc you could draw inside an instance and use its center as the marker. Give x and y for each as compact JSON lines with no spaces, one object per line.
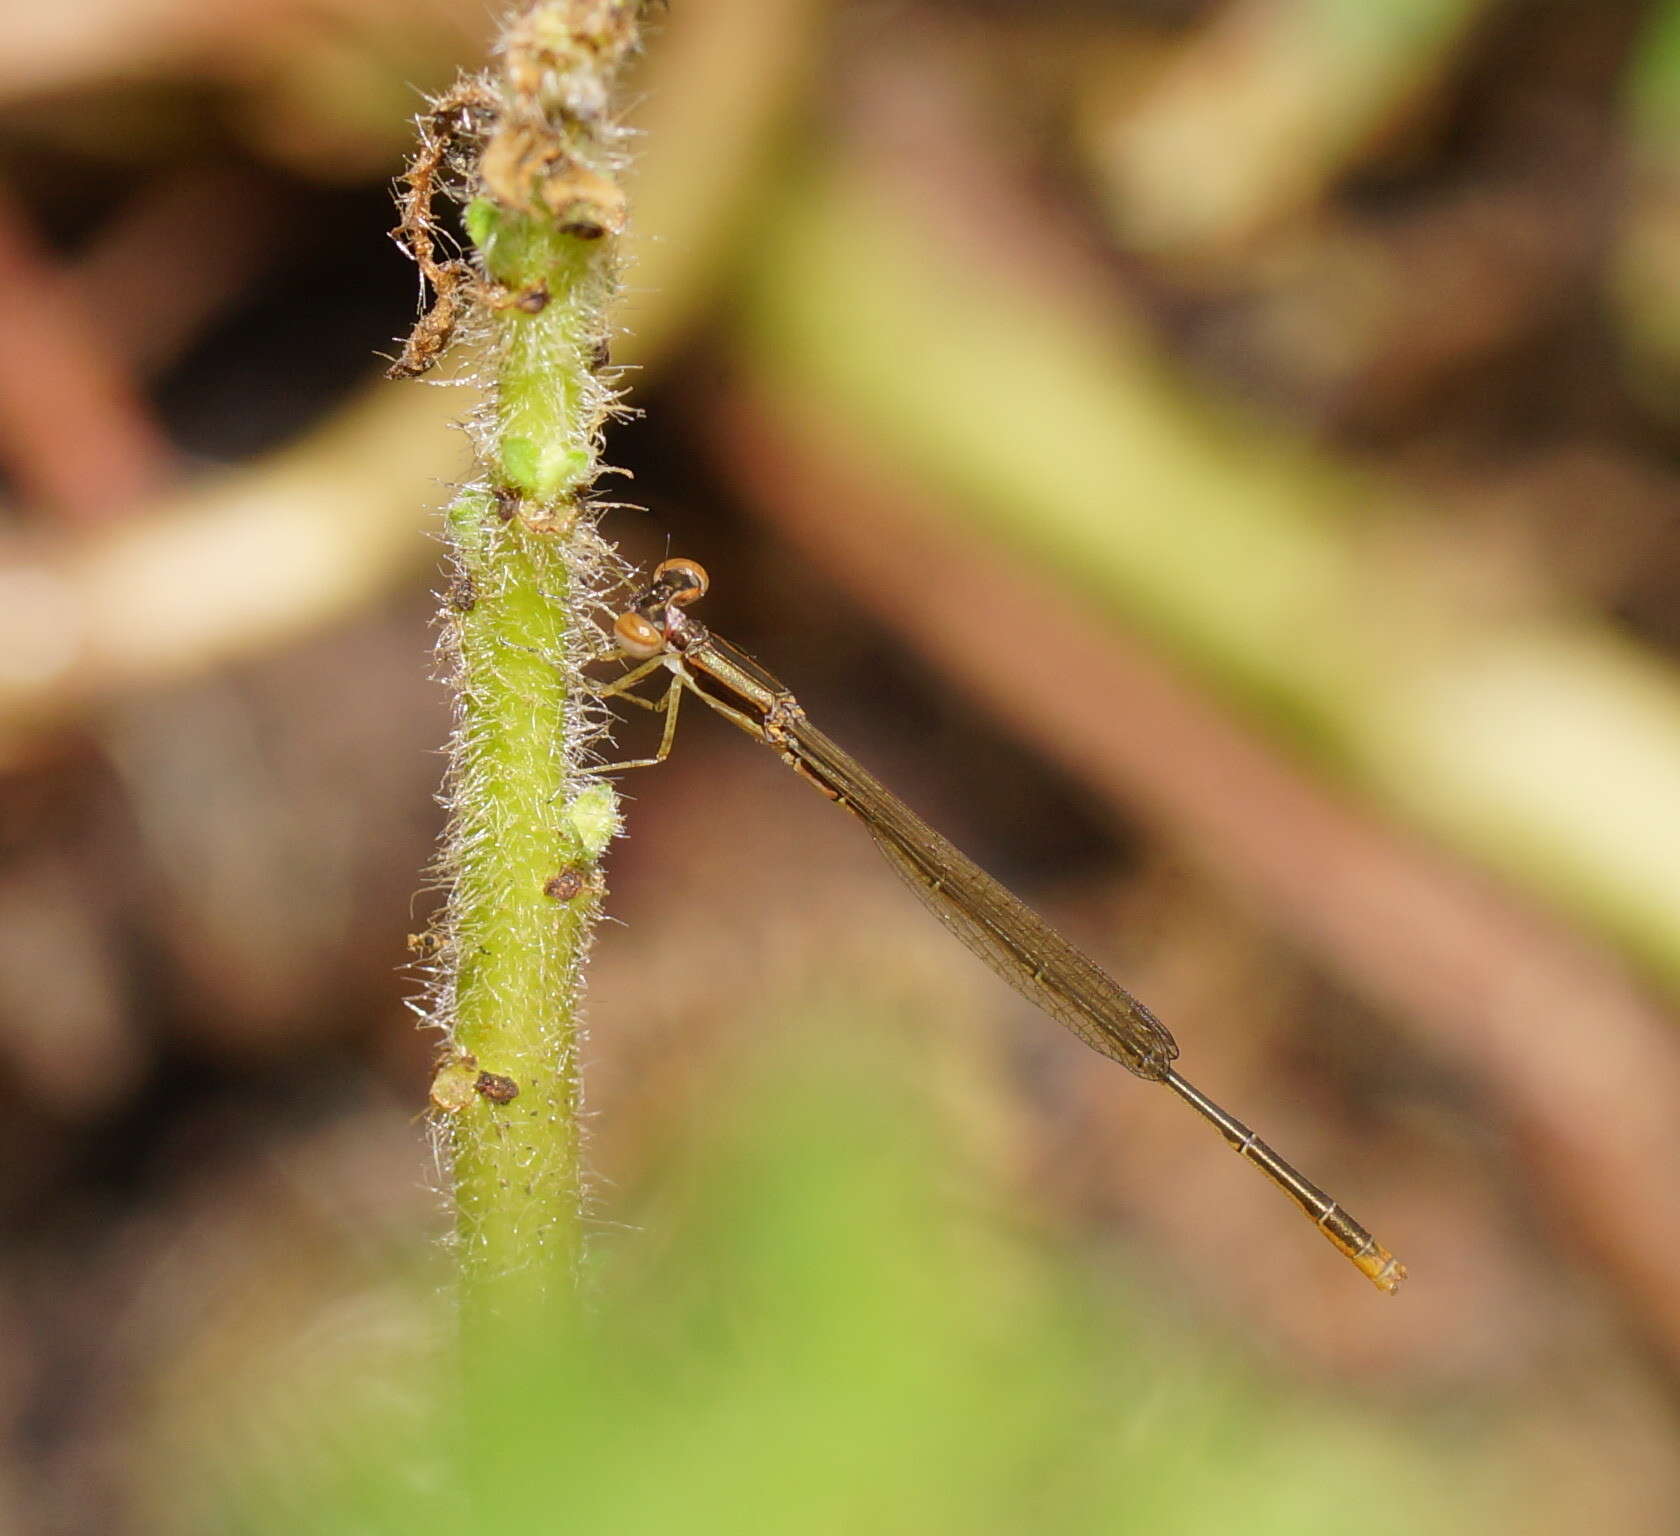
{"x":657,"y":632}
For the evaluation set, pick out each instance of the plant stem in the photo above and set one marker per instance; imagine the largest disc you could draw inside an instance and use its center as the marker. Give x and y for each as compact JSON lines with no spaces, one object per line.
{"x":519,"y":913}
{"x":527,"y":827}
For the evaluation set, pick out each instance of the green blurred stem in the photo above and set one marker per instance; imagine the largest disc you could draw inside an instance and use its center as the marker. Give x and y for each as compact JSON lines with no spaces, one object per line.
{"x":1540,"y":744}
{"x":523,"y":842}
{"x":1644,"y":258}
{"x":1264,"y":108}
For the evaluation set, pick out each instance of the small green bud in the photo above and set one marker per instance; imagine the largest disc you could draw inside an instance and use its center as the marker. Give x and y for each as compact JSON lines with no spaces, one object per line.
{"x":593,"y":818}
{"x":544,"y":472}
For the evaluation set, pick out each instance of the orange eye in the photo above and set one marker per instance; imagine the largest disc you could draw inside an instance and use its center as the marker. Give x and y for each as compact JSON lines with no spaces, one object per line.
{"x":638,"y":636}
{"x":685,"y":580}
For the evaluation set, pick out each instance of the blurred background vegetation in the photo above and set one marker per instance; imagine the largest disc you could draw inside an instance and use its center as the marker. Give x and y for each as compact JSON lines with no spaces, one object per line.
{"x":1215,"y":457}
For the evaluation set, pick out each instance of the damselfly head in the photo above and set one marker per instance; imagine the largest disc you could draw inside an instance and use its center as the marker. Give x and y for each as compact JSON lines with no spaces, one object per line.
{"x":652,"y":623}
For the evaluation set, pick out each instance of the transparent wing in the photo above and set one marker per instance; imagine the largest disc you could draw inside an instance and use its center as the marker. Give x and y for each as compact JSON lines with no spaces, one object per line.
{"x":996,"y":925}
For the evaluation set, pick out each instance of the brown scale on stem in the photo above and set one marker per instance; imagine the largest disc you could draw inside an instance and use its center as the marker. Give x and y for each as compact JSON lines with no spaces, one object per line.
{"x":496,"y":1088}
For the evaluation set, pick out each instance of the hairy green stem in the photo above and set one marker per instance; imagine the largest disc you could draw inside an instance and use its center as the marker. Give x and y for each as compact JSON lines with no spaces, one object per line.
{"x":535,"y":147}
{"x":523,"y":846}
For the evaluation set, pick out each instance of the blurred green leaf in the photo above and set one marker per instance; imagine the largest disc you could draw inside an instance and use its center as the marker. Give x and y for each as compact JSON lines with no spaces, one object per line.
{"x":824,"y":1329}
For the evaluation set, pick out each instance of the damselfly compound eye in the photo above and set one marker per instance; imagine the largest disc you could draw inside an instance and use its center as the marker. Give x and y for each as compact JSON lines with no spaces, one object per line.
{"x":685,"y":580}
{"x":638,"y":636}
